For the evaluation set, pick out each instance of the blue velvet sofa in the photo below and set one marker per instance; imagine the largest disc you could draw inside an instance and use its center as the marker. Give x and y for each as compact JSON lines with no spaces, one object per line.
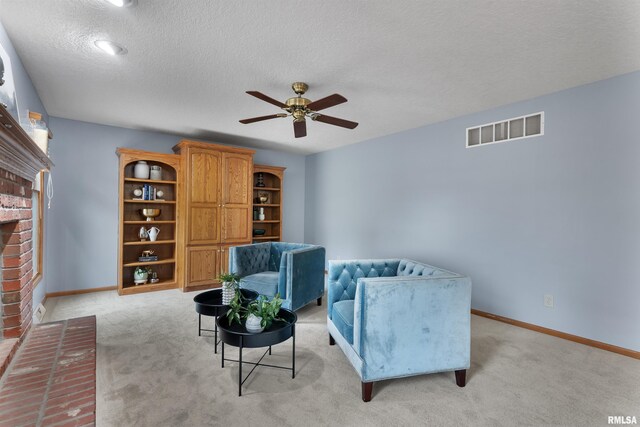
{"x":294,"y":270}
{"x":396,"y":318}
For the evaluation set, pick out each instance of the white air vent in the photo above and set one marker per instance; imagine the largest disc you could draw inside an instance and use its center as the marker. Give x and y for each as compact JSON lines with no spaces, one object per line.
{"x":506,"y":130}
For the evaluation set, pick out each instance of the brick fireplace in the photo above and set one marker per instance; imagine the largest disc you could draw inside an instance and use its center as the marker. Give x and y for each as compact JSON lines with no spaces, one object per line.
{"x":15,"y":255}
{"x":20,"y":160}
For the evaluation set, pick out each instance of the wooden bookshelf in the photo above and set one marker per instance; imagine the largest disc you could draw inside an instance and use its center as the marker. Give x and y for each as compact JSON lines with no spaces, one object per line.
{"x":131,"y":220}
{"x":272,"y":178}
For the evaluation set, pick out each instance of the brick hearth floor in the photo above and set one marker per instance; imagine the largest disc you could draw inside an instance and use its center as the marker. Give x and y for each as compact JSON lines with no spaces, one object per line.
{"x":52,"y":380}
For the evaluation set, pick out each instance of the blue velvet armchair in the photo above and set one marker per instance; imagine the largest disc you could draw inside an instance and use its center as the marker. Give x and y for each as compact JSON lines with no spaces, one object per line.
{"x":294,"y":270}
{"x":395,"y":318}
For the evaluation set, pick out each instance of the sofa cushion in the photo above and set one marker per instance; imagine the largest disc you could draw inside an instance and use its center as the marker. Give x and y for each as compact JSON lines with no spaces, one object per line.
{"x":342,"y":318}
{"x":264,"y":283}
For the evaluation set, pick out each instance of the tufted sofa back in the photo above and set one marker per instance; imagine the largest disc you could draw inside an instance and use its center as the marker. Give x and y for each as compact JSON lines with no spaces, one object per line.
{"x":256,"y":260}
{"x":343,"y":275}
{"x":413,"y":268}
{"x":275,"y":255}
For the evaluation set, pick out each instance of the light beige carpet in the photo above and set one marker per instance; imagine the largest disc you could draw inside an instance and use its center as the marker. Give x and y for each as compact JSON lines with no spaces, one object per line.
{"x":154,"y":370}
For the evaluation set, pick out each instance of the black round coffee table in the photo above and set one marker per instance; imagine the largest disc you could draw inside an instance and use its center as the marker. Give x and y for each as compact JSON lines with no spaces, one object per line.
{"x":237,"y":336}
{"x":209,"y":303}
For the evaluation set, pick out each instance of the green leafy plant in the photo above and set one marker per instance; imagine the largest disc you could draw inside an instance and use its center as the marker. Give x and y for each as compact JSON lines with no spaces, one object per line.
{"x":262,"y":307}
{"x":229,"y":277}
{"x":265,"y":309}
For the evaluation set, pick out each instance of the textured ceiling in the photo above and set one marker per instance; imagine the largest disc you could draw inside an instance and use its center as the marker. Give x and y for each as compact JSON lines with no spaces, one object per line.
{"x":401,"y":64}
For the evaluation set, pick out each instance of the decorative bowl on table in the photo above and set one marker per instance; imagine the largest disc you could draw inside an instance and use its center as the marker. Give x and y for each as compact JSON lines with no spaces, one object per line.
{"x":259,"y":231}
{"x":150,"y":213}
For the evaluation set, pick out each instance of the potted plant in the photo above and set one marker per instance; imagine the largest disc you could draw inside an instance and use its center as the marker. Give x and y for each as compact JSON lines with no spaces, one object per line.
{"x":258,"y":314}
{"x":141,"y":274}
{"x":230,"y":284}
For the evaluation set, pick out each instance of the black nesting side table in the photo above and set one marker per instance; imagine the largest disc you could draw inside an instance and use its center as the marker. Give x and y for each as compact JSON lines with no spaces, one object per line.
{"x":237,"y":336}
{"x":209,"y":303}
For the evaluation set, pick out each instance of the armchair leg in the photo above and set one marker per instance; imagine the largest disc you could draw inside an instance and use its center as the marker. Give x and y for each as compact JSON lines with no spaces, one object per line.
{"x":319,"y":301}
{"x":331,"y":340}
{"x":367,"y":389}
{"x":461,"y":378}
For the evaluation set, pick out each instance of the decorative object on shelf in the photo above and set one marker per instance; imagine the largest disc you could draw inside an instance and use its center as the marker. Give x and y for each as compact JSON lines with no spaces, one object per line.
{"x":39,"y":131}
{"x":263,"y":309}
{"x":153,"y":233}
{"x":230,"y":285}
{"x":259,"y":231}
{"x":154,"y":277}
{"x":260,"y":180}
{"x":255,"y":214}
{"x":141,"y":170}
{"x":150,"y":192}
{"x":150,"y":213}
{"x":7,"y":87}
{"x":159,"y":195}
{"x":263,"y":197}
{"x":156,"y":173}
{"x":261,"y":216}
{"x":141,"y":275}
{"x":137,"y":193}
{"x":143,"y":234}
{"x":148,"y":256}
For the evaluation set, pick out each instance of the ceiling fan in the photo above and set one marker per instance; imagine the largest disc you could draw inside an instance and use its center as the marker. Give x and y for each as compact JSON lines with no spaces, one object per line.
{"x":300,"y":108}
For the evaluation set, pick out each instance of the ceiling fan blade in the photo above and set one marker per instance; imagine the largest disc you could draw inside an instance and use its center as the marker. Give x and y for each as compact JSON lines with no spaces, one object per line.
{"x":335,"y":121}
{"x":327,"y":102}
{"x":267,"y":98}
{"x":300,"y":128}
{"x":261,"y":118}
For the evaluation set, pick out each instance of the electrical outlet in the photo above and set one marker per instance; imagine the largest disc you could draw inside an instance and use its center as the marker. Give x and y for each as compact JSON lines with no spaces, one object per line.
{"x":39,"y":313}
{"x":548,"y":300}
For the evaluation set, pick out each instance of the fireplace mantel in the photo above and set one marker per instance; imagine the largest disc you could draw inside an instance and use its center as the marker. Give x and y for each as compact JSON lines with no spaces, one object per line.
{"x":19,"y":154}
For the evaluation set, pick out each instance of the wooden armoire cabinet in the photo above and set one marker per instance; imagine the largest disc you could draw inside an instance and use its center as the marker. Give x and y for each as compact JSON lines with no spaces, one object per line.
{"x":216,"y":208}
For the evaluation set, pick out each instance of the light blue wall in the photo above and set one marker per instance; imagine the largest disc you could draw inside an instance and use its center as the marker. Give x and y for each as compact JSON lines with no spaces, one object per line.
{"x":556,"y":214}
{"x":28,"y":99}
{"x":82,"y":240}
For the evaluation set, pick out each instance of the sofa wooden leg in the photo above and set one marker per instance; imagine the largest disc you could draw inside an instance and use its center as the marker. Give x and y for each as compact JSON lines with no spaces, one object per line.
{"x":331,"y":340}
{"x":319,"y":301}
{"x":367,"y":389}
{"x":461,"y":377}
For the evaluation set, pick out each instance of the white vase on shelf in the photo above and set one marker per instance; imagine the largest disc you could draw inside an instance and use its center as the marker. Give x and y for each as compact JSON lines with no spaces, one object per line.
{"x":141,"y":170}
{"x":261,"y":215}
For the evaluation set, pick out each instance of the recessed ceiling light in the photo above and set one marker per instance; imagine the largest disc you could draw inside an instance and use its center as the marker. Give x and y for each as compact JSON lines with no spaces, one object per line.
{"x":110,"y":47}
{"x":122,"y":3}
